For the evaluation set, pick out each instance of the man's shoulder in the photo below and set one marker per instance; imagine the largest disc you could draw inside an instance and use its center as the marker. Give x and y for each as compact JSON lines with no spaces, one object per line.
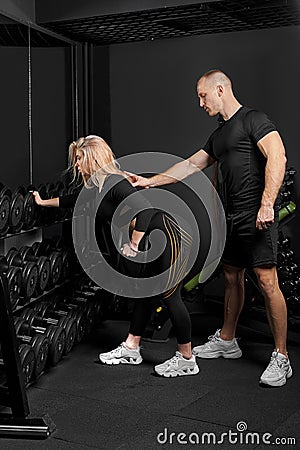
{"x":252,"y":112}
{"x":254,"y":117}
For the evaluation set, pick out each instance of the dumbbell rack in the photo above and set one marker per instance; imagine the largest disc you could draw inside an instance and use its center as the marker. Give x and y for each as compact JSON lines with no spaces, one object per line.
{"x":28,"y":237}
{"x":13,"y":394}
{"x":13,"y":391}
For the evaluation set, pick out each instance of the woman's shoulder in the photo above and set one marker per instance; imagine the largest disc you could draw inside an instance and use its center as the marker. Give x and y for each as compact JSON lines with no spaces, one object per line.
{"x":116,"y":178}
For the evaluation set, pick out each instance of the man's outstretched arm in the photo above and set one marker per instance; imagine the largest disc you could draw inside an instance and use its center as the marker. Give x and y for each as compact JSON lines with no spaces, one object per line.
{"x":198,"y":161}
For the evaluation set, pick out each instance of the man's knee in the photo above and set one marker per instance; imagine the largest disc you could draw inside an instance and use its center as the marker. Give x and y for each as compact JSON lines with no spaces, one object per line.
{"x":267,"y":280}
{"x":233,"y":275}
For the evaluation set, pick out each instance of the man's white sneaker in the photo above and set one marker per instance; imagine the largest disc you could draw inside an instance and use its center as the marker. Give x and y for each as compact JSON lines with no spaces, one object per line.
{"x":278,"y":370}
{"x":216,"y":347}
{"x":121,"y":355}
{"x":177,"y":366}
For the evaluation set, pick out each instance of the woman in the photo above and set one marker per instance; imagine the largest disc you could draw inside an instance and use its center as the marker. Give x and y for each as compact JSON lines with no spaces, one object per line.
{"x":93,"y":159}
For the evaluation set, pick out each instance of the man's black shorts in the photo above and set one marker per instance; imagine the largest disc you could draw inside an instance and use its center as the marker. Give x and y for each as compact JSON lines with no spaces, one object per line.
{"x":247,"y":246}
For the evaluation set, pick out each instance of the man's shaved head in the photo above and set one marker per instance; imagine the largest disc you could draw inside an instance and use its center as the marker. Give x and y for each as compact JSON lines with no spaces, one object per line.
{"x":215,"y":77}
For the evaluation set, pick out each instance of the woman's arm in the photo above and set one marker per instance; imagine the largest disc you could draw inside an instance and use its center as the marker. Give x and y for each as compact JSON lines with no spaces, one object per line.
{"x":66,"y":201}
{"x":49,"y":202}
{"x":135,"y":201}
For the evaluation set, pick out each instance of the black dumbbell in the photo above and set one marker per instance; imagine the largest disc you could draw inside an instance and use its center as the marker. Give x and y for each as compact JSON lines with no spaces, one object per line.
{"x":16,"y":212}
{"x":5,"y":199}
{"x":40,"y":316}
{"x":38,"y":342}
{"x":92,"y":295}
{"x":27,"y":359}
{"x":81,"y":311}
{"x":85,"y":304}
{"x":11,"y":203}
{"x":30,"y":272}
{"x":56,"y":244}
{"x":58,"y":309}
{"x":55,"y":258}
{"x":14,"y":281}
{"x":55,"y":334}
{"x":30,"y":206}
{"x":43,"y":264}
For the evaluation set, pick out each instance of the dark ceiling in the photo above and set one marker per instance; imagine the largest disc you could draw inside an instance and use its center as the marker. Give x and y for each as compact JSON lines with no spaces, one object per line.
{"x":168,"y":22}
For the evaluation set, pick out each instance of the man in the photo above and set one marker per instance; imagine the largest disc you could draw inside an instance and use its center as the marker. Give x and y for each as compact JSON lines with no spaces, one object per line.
{"x":251,"y":163}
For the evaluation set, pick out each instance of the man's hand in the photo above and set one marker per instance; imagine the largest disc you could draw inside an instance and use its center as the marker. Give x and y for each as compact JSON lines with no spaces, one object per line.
{"x":137,"y":180}
{"x":265,"y":217}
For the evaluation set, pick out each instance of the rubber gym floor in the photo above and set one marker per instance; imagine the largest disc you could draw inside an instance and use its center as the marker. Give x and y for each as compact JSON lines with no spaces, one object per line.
{"x":94,"y":406}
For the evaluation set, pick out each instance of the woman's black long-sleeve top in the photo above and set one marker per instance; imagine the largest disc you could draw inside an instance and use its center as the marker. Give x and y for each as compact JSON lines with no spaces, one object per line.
{"x":117,"y":192}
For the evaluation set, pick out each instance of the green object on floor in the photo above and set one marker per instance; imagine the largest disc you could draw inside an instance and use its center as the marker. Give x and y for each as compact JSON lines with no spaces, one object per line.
{"x":286,"y":210}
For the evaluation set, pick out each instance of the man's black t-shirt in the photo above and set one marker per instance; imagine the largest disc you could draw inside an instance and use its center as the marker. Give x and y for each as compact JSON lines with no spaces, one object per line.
{"x":241,"y":165}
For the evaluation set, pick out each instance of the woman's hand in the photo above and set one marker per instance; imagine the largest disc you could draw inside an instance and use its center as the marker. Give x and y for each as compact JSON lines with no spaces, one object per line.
{"x":37,"y":198}
{"x":130,"y":250}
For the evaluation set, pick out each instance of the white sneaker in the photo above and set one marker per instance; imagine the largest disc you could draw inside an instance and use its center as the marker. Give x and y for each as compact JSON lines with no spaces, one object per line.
{"x":122,"y":355}
{"x":216,"y":347}
{"x":278,"y":370}
{"x":177,"y":366}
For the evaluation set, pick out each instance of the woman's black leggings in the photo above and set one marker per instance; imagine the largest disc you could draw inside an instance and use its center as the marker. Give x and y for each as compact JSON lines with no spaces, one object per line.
{"x":174,"y":260}
{"x":179,"y":316}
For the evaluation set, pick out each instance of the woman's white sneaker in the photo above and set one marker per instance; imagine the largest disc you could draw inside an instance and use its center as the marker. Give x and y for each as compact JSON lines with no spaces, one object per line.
{"x":121,"y":355}
{"x":177,"y":366}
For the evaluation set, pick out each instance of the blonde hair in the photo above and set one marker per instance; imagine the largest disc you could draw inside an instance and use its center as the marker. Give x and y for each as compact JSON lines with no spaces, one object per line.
{"x":98,"y":160}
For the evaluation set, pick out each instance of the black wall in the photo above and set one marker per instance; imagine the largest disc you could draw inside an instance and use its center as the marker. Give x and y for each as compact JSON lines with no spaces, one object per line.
{"x":50,"y":112}
{"x":51,"y":116}
{"x":101,"y":93}
{"x":154,"y":106}
{"x":14,"y":167}
{"x":153,"y":87}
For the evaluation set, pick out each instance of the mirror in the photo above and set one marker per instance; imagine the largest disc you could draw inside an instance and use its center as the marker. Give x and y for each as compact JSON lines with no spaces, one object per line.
{"x":14,"y":167}
{"x":51,"y":105}
{"x":37,"y":103}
